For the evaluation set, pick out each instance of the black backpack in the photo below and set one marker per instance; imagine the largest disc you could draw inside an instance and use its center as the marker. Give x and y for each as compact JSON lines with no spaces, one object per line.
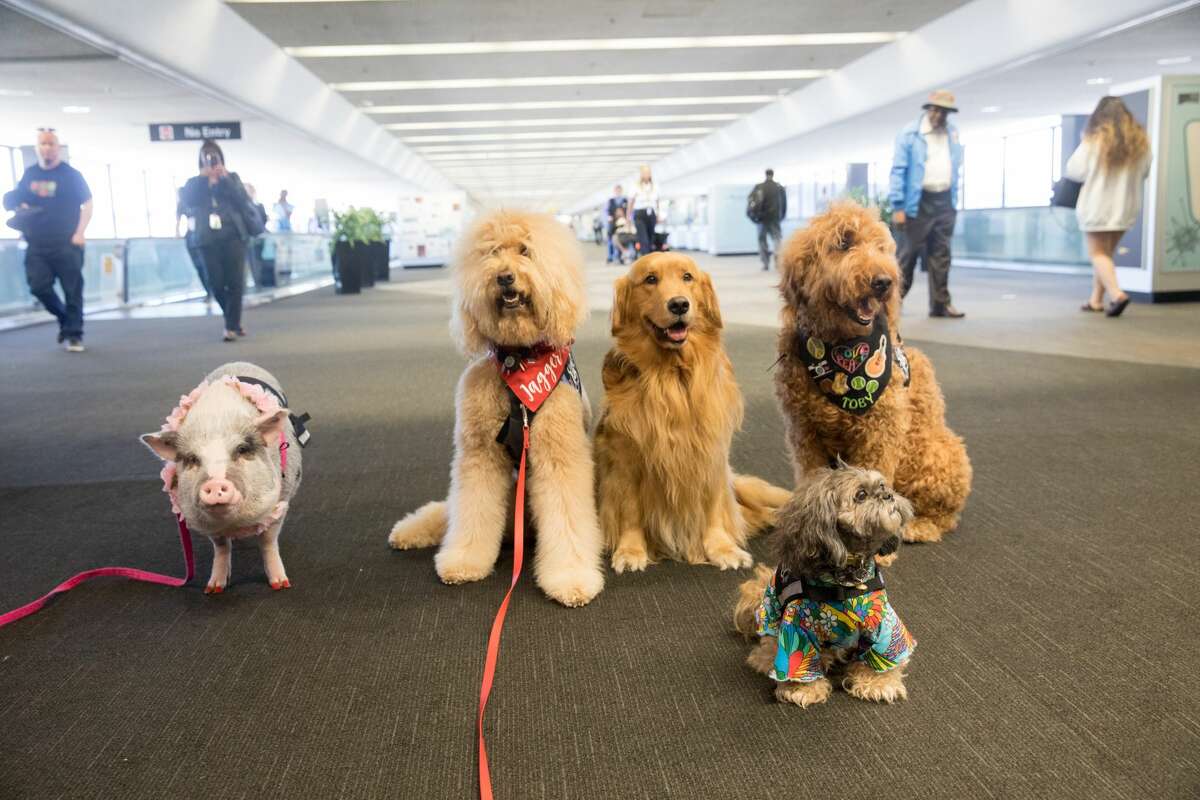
{"x":754,"y":204}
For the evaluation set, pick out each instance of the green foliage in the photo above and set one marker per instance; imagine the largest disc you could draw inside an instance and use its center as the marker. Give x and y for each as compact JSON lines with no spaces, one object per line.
{"x":360,"y":225}
{"x":881,"y":203}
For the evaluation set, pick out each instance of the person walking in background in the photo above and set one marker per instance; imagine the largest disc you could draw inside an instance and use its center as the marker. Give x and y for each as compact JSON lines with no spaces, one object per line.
{"x":924,"y":196}
{"x":57,"y":206}
{"x":283,"y":213}
{"x":217,"y":200}
{"x":1112,"y":162}
{"x":189,"y":240}
{"x":623,"y":237}
{"x":767,"y":206}
{"x":644,"y":202}
{"x":258,"y":266}
{"x":617,"y":202}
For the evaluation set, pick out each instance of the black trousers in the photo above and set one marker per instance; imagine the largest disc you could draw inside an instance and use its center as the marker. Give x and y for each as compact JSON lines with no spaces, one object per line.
{"x":225,"y":260}
{"x":45,"y":263}
{"x":931,"y":231}
{"x":646,"y":220}
{"x":768,"y":229}
{"x":198,"y":262}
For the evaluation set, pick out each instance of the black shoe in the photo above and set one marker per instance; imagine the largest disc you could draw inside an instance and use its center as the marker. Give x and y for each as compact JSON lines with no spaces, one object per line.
{"x":62,"y":337}
{"x":947,"y":311}
{"x":1117,"y":306}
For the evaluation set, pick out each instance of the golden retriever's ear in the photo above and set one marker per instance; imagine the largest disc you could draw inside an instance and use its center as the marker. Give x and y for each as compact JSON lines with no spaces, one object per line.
{"x":709,"y":306}
{"x":621,"y":314}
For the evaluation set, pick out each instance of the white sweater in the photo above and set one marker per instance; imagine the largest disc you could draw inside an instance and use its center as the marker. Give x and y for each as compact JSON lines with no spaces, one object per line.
{"x":1110,"y":200}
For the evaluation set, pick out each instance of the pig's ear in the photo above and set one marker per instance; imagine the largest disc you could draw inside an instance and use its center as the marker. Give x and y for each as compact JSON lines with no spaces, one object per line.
{"x":163,"y":444}
{"x":271,"y":426}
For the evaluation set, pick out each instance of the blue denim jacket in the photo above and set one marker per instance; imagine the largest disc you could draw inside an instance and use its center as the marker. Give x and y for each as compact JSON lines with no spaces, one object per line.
{"x":908,"y":168}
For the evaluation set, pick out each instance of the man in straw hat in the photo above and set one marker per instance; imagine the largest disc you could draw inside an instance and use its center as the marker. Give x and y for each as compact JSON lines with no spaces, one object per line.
{"x":924,"y":195}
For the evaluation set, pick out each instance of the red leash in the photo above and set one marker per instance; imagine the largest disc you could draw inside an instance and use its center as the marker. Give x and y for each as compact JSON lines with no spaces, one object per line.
{"x":493,"y":646}
{"x":185,"y":541}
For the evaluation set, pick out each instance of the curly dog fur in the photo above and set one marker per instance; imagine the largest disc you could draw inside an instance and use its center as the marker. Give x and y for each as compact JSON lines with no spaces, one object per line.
{"x":838,"y":270}
{"x":670,"y":409}
{"x":547,"y":267}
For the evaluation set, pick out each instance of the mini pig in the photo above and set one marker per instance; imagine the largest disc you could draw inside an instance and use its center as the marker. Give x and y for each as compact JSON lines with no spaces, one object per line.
{"x":223,"y":471}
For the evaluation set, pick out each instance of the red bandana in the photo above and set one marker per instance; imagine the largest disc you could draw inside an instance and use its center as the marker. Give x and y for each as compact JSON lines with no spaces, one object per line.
{"x":532,"y":374}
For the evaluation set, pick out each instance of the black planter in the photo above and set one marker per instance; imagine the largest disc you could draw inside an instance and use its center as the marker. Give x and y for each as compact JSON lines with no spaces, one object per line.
{"x":379,"y":260}
{"x":348,"y":267}
{"x":366,"y":258}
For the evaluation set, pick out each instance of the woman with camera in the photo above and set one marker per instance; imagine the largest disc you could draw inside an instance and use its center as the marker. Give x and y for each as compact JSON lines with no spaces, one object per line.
{"x":217,"y":205}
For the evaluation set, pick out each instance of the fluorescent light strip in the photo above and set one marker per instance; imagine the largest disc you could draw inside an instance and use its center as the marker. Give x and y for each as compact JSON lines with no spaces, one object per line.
{"x":554,"y":122}
{"x":589,"y":45}
{"x":545,"y":105}
{"x":598,"y":144}
{"x":552,"y":157}
{"x":583,"y":80}
{"x":514,"y":137}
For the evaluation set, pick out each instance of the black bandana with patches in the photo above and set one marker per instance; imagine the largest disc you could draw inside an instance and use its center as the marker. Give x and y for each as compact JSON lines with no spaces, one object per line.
{"x":854,"y":373}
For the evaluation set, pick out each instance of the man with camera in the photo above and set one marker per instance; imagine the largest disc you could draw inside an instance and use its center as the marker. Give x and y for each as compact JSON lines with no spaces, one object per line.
{"x":54,"y":206}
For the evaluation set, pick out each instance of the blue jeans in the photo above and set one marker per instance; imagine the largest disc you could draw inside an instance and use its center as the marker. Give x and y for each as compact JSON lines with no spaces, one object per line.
{"x":44,"y":263}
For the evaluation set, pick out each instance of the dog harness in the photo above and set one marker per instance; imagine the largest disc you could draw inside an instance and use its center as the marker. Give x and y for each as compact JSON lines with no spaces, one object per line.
{"x":531,"y":374}
{"x":853,"y":374}
{"x":848,"y":610}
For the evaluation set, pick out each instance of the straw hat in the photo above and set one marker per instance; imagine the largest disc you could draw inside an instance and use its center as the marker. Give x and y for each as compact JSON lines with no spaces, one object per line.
{"x":941,"y":98}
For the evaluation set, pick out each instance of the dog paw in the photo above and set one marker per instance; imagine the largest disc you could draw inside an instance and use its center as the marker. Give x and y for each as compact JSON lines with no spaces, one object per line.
{"x":804,"y":694}
{"x":729,"y":556}
{"x":459,"y":567}
{"x":877,"y":687}
{"x":575,"y":588}
{"x":923,"y":529}
{"x":762,"y":657}
{"x":407,"y":536}
{"x":886,"y":561}
{"x":629,"y":559}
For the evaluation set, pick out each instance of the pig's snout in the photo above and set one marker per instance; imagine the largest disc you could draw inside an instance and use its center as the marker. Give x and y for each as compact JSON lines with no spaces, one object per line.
{"x":216,"y":492}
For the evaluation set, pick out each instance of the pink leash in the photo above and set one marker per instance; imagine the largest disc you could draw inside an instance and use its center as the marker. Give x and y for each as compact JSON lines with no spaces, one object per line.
{"x":185,"y":541}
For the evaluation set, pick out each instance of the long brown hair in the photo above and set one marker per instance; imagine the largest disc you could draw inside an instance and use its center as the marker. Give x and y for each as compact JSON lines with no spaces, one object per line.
{"x":1122,"y":141}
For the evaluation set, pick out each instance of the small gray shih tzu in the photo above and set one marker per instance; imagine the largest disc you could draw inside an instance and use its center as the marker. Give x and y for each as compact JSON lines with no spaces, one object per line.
{"x":825,"y":604}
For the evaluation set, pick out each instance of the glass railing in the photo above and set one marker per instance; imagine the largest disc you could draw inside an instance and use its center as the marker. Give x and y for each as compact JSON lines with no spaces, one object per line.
{"x":1041,"y":235}
{"x":139,"y":271}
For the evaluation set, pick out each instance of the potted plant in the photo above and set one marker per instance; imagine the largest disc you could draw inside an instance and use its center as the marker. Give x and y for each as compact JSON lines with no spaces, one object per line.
{"x":349,"y":251}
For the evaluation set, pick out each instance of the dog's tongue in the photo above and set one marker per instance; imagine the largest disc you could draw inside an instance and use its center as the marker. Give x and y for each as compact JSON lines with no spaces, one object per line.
{"x":677,"y":333}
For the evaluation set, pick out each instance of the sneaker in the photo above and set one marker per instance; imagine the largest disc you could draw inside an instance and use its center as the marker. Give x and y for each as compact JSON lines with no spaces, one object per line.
{"x":229,"y":336}
{"x":75,"y":346}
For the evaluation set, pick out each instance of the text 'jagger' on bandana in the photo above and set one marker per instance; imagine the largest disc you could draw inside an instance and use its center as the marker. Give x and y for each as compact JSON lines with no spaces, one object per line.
{"x":532,"y":374}
{"x":854,"y":373}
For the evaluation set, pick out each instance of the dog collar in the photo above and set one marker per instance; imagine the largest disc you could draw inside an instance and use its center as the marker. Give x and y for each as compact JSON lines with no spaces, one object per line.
{"x":828,"y":587}
{"x":853,"y":374}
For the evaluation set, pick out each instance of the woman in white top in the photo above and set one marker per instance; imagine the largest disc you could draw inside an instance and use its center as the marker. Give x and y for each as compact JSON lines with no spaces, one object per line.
{"x":644,"y":202}
{"x":1112,"y":162}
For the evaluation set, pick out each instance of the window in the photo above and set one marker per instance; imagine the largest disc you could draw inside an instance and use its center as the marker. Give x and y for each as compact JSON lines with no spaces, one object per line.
{"x":1028,"y":168}
{"x":983,"y":173}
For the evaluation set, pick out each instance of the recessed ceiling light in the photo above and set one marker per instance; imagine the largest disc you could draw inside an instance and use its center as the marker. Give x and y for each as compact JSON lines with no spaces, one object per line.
{"x":15,"y":93}
{"x":990,"y":109}
{"x":76,"y":109}
{"x":588,"y":45}
{"x":1099,"y":81}
{"x":555,"y":122}
{"x":542,"y":105}
{"x":510,"y":137}
{"x":583,"y":80}
{"x":1166,"y":62}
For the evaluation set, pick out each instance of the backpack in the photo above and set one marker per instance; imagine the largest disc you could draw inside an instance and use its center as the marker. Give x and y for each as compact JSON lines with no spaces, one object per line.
{"x":754,"y":204}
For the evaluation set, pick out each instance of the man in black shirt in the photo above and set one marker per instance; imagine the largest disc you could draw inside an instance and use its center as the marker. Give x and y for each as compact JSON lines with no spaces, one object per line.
{"x":767,"y":206}
{"x":59,"y":208}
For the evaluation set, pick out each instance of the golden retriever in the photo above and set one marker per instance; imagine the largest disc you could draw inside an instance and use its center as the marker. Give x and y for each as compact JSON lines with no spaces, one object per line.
{"x":671,"y":406}
{"x":518,"y":285}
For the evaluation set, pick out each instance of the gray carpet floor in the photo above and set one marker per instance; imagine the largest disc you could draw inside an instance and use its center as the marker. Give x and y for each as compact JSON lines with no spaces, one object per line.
{"x":1058,"y":628}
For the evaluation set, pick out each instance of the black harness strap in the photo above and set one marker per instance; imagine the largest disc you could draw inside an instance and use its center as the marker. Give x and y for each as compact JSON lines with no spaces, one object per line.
{"x":789,"y":587}
{"x":298,"y":420}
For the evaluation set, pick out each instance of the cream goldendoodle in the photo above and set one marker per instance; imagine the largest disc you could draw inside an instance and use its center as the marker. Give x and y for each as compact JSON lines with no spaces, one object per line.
{"x":519,"y":292}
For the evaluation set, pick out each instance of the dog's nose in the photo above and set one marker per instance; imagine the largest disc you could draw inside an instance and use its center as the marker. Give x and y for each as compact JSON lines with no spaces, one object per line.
{"x":881,"y":285}
{"x":506,"y":279}
{"x":678,"y":305}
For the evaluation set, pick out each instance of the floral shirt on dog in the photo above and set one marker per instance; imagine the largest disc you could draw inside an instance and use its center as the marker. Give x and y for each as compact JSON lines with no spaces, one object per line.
{"x":866,"y":624}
